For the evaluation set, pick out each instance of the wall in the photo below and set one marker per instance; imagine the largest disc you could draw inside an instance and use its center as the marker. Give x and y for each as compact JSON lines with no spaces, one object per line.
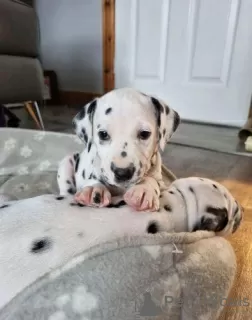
{"x":71,"y":42}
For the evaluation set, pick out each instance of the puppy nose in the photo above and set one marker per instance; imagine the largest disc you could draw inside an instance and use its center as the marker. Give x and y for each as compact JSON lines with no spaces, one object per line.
{"x":123,"y":174}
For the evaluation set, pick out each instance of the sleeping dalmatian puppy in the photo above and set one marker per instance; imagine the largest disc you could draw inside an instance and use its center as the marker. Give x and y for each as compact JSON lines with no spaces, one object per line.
{"x":201,"y":204}
{"x":122,"y":133}
{"x":52,"y":229}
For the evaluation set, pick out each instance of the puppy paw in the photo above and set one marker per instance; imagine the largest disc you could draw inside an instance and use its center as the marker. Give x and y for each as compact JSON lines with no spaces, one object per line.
{"x":94,"y":196}
{"x":142,"y":198}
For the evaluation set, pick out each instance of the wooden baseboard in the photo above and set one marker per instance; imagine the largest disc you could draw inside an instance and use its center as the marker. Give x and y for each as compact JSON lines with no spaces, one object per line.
{"x":77,"y":97}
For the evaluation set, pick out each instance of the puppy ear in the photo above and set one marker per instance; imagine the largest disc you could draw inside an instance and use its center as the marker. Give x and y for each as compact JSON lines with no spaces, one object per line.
{"x":168,"y":121}
{"x":83,"y":122}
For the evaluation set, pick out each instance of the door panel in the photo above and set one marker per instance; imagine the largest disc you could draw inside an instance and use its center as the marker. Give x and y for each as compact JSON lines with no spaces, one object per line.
{"x":195,"y":54}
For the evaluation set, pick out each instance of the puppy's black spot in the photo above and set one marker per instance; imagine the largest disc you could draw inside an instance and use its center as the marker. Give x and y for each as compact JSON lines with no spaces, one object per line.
{"x":97,"y":198}
{"x":157,"y":104}
{"x":92,"y":161}
{"x":236,"y":224}
{"x":4,"y":206}
{"x":71,"y":191}
{"x":140,"y":164}
{"x":164,"y":132}
{"x":40,"y":245}
{"x":221,"y":218}
{"x":73,"y":204}
{"x":76,"y":156}
{"x":158,"y":109}
{"x":68,"y":182}
{"x":77,"y":165}
{"x":171,"y":192}
{"x":77,"y":161}
{"x":215,"y":187}
{"x":167,"y":208}
{"x":152,"y":227}
{"x":94,"y":177}
{"x":108,"y":110}
{"x":81,"y":114}
{"x":191,"y":190}
{"x":85,"y":136}
{"x":60,"y":198}
{"x":167,"y":110}
{"x":176,"y":121}
{"x":98,"y":127}
{"x":91,"y":176}
{"x":83,"y":174}
{"x":89,"y":146}
{"x":125,"y":145}
{"x":117,"y":205}
{"x":124,"y":154}
{"x":91,"y":109}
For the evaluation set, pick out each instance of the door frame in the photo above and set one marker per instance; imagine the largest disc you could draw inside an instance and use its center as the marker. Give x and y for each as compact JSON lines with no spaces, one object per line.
{"x":108,"y":17}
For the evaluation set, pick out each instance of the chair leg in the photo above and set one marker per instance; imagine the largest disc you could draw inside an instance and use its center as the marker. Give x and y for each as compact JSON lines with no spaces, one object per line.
{"x":29,"y":108}
{"x":37,"y":118}
{"x":39,"y":115}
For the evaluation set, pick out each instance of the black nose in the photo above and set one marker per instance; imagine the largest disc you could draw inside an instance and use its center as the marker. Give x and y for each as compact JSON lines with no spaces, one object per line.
{"x":123,"y":174}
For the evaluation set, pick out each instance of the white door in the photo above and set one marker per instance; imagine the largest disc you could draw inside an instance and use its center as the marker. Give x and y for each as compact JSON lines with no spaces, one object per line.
{"x":194,"y":54}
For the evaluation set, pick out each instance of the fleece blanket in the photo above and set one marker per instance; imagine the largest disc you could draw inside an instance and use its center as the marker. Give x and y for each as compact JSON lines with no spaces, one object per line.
{"x":62,"y":261}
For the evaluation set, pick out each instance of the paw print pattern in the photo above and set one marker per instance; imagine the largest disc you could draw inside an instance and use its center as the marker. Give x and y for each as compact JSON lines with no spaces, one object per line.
{"x":39,"y":136}
{"x":80,"y":301}
{"x":10,"y":144}
{"x":44,"y":165}
{"x":26,"y":151}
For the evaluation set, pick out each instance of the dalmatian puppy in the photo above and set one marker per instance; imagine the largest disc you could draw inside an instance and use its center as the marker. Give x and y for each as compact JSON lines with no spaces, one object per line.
{"x":201,"y":204}
{"x":122,"y":133}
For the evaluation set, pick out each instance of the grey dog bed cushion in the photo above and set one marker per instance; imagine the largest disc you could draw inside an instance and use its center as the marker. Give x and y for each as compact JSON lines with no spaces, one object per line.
{"x":157,"y":276}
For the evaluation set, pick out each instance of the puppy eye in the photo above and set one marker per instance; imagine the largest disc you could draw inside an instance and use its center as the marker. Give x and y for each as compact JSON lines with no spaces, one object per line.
{"x":103,"y":135}
{"x":144,"y":135}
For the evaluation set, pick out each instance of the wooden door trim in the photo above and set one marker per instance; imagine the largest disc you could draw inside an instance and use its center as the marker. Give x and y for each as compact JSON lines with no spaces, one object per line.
{"x":108,"y":15}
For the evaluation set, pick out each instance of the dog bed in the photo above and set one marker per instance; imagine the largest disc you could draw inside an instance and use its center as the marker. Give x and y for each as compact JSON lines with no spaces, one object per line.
{"x":85,"y":275}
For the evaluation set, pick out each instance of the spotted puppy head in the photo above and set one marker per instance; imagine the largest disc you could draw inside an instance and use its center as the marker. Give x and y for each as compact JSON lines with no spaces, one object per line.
{"x":126,"y":127}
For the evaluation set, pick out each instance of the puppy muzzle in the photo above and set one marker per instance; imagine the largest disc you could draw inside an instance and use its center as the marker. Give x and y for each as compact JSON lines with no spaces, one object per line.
{"x":123,"y":174}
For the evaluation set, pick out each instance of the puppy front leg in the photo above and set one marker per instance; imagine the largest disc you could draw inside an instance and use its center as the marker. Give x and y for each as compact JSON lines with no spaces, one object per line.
{"x":66,"y":175}
{"x":144,"y":196}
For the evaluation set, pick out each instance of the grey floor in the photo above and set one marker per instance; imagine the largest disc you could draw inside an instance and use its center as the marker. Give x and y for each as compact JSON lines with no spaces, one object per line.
{"x":221,"y":139}
{"x":210,"y":137}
